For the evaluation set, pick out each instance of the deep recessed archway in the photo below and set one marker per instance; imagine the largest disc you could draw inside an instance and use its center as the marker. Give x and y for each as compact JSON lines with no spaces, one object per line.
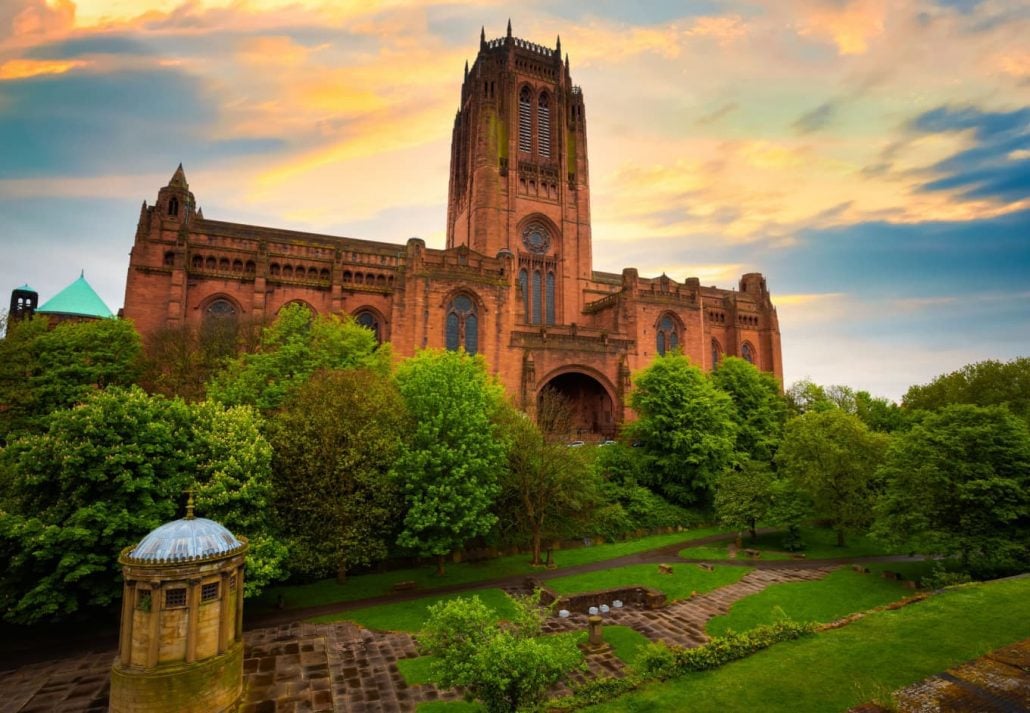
{"x":576,"y":406}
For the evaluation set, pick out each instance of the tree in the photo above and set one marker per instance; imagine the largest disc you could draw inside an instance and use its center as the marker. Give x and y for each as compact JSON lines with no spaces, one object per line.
{"x":685,"y":429}
{"x":102,"y":476}
{"x":548,"y":487}
{"x":335,"y":440}
{"x":507,"y":668}
{"x":449,"y":466}
{"x":744,"y":496}
{"x":292,"y":348}
{"x":760,"y":409}
{"x":957,"y":483}
{"x":106,"y":473}
{"x":985,"y":383}
{"x":878,"y":413}
{"x":554,"y":413}
{"x":833,"y":456}
{"x":43,"y":369}
{"x":231,"y":472}
{"x":804,"y":396}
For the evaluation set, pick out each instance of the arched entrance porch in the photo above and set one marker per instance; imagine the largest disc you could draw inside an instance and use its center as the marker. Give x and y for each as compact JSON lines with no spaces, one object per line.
{"x":576,"y":405}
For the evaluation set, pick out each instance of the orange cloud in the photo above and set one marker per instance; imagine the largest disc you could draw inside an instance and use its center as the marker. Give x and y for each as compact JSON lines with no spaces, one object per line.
{"x":851,"y":26}
{"x":25,"y":68}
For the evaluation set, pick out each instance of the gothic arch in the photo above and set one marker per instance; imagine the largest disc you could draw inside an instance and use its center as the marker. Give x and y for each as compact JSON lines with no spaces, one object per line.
{"x":463,"y":314}
{"x":590,"y":371}
{"x":378,"y":323}
{"x":592,"y":405}
{"x":748,"y":353}
{"x":302,"y":303}
{"x":669,"y":332}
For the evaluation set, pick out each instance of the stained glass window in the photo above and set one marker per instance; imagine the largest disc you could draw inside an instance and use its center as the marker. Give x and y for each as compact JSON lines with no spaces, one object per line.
{"x":462,"y":325}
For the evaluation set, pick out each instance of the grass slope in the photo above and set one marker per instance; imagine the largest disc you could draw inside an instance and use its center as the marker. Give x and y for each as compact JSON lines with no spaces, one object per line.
{"x":685,"y":578}
{"x":837,"y":669}
{"x":820,"y":543}
{"x":410,"y":615}
{"x":838,"y":594}
{"x":328,"y":591}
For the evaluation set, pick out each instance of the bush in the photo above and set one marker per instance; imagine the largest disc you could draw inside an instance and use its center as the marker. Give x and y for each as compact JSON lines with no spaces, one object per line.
{"x":940,"y":578}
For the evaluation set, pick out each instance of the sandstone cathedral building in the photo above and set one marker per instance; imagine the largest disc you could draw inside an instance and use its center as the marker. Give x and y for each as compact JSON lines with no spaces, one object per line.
{"x":515,"y":282}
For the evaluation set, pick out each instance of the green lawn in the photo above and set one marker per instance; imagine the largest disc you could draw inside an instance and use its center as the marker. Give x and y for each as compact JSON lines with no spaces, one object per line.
{"x":840,"y":593}
{"x":834,"y":670}
{"x":416,"y":670}
{"x":328,"y":591}
{"x":410,"y":615}
{"x":685,"y":578}
{"x":625,"y":641}
{"x":449,"y":707}
{"x":820,"y":543}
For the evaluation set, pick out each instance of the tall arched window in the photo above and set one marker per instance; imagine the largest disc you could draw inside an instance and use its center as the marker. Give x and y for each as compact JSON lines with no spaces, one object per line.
{"x":550,"y":298}
{"x":524,"y":286}
{"x":716,"y":353}
{"x":369,"y":320}
{"x":525,"y":121}
{"x":173,"y":206}
{"x":538,"y":295}
{"x":668,"y":336}
{"x":748,"y":353}
{"x":221,"y":309}
{"x":543,"y":125}
{"x":462,"y":325}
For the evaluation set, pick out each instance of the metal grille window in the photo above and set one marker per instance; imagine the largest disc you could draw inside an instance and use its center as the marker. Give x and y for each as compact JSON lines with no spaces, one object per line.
{"x":175,"y":598}
{"x":525,"y":121}
{"x":748,"y":353}
{"x":716,"y":351}
{"x":543,"y":126}
{"x":550,"y":298}
{"x":209,"y":592}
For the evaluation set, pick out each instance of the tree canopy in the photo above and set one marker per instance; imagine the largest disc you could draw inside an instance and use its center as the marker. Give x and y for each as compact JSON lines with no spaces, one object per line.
{"x":335,"y":442}
{"x":985,"y":383}
{"x":958,"y":483}
{"x":449,"y":466}
{"x":106,"y":473}
{"x":685,"y":429}
{"x":292,"y":348}
{"x":760,"y":409}
{"x":44,"y":369}
{"x":832,"y":456}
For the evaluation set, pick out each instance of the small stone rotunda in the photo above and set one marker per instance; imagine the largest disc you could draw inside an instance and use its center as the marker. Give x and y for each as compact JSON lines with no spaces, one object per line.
{"x":181,"y":643}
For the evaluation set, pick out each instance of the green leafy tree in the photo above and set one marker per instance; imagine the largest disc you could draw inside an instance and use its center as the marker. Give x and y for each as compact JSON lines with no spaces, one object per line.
{"x":508,"y":668}
{"x":293,"y":348}
{"x":958,"y":483}
{"x":44,"y":369}
{"x":231,"y":471}
{"x":549,"y":489}
{"x":878,"y":413}
{"x":102,"y":476}
{"x":985,"y":383}
{"x":448,"y":468}
{"x":833,"y":456}
{"x":760,"y":408}
{"x":744,"y":496}
{"x":107,"y":472}
{"x":804,"y":396}
{"x":335,"y":442}
{"x":685,"y":429}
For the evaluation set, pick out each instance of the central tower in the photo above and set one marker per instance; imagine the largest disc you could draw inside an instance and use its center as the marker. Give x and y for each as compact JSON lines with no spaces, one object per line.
{"x":519,"y":180}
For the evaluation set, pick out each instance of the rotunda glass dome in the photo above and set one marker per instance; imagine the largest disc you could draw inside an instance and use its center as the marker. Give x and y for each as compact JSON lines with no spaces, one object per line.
{"x":186,"y":539}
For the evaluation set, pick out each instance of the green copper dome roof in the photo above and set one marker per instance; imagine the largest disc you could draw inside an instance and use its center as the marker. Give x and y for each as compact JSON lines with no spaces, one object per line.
{"x":77,"y":298}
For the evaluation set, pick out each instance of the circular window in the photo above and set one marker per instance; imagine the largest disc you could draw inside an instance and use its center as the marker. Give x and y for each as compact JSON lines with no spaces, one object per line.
{"x":536,"y":238}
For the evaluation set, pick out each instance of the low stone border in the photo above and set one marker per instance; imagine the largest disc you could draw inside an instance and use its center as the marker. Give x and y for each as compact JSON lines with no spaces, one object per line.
{"x":640,"y":596}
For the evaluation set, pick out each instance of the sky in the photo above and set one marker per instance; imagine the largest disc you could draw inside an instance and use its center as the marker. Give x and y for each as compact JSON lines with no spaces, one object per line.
{"x":870,"y":157}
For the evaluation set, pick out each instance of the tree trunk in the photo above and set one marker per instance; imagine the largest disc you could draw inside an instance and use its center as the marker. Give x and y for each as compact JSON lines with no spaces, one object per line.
{"x":439,"y":566}
{"x":550,"y":559}
{"x":840,"y":537}
{"x":752,"y":527}
{"x":341,"y":572}
{"x":536,"y":547}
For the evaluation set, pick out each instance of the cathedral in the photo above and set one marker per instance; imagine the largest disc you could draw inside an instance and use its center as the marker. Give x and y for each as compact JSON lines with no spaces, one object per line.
{"x":514,"y":283}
